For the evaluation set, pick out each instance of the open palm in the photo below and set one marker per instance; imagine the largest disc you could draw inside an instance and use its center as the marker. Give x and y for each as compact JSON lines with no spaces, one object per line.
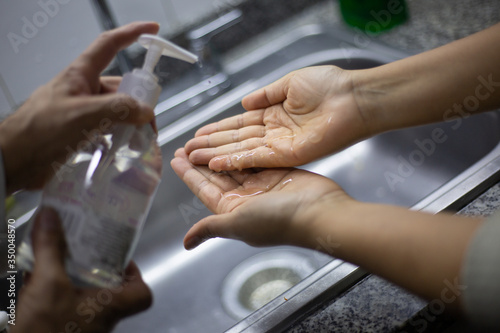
{"x":261,"y":207}
{"x":305,"y":115}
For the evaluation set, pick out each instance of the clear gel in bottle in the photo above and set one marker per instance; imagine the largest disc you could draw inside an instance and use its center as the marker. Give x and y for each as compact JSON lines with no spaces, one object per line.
{"x":104,"y":192}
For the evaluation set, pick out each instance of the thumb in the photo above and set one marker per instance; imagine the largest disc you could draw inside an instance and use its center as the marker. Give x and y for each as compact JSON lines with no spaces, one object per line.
{"x":210,"y":227}
{"x":267,"y":96}
{"x":48,"y":242}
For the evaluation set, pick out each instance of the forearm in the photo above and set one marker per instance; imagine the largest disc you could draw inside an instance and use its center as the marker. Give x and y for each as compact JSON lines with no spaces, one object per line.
{"x":455,"y":80}
{"x":420,"y":252}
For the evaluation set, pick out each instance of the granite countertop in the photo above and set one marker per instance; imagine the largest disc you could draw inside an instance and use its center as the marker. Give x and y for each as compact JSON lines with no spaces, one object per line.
{"x":374,"y":304}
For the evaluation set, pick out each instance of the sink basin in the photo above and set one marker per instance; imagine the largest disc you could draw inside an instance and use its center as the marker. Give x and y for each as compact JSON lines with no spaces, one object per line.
{"x":224,"y":285}
{"x":195,"y":291}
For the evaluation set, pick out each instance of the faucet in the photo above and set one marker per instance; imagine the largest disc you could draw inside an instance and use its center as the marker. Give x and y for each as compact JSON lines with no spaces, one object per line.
{"x":199,"y":40}
{"x":210,"y":81}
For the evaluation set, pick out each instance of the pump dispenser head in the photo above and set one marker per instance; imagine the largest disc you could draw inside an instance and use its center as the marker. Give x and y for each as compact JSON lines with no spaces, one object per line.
{"x":158,"y":46}
{"x":142,"y":84}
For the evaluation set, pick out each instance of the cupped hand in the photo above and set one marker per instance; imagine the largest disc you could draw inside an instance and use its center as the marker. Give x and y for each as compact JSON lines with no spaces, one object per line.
{"x":305,"y":115}
{"x":260,"y":207}
{"x":49,"y":302}
{"x":69,"y":111}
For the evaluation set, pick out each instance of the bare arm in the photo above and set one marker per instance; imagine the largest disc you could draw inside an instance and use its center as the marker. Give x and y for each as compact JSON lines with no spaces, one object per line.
{"x":418,"y":251}
{"x":455,"y":80}
{"x":421,"y":252}
{"x":317,"y":111}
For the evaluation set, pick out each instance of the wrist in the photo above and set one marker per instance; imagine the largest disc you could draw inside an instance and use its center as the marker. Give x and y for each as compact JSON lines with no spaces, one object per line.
{"x":320,"y":220}
{"x":377,"y":93}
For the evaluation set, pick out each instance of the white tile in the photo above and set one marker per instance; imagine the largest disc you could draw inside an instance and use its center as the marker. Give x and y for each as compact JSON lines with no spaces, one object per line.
{"x":184,"y":13}
{"x":39,"y":38}
{"x":126,"y":11}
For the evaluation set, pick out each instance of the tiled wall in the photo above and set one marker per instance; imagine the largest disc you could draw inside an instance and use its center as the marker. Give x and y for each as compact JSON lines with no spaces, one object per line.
{"x":173,"y":15}
{"x":38,"y":38}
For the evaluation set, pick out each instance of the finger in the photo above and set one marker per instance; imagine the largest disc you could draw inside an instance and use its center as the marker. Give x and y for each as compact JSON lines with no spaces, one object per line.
{"x":261,"y":157}
{"x":27,"y":278}
{"x":154,"y":126}
{"x":100,"y":53}
{"x":224,"y":181}
{"x":210,"y":227}
{"x":49,"y":245}
{"x":136,"y":295}
{"x":269,"y":95}
{"x":132,"y":271}
{"x":227,"y":181}
{"x":226,"y":137}
{"x":245,"y":119}
{"x":181,"y":152}
{"x":93,"y":111}
{"x":110,"y":84}
{"x":204,"y":155}
{"x":209,"y":193}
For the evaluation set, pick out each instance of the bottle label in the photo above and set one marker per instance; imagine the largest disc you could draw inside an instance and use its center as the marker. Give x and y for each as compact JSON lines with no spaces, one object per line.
{"x":93,"y":242}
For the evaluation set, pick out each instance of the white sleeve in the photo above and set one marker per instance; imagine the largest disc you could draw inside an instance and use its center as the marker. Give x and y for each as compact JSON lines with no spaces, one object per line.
{"x":481,"y":275}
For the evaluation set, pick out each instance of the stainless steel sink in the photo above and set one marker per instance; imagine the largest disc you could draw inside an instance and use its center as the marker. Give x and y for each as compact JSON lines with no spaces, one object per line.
{"x":403,"y":167}
{"x":217,"y":286}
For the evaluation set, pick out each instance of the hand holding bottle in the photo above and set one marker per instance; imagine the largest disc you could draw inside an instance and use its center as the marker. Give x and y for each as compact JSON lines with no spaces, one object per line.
{"x":63,"y":113}
{"x":49,"y":302}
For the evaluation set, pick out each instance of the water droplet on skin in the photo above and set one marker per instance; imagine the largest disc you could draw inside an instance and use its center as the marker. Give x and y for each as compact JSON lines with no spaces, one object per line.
{"x":286,"y":182}
{"x":242,"y":194}
{"x":237,"y":160}
{"x":216,"y":161}
{"x":247,"y":183}
{"x":275,"y":141}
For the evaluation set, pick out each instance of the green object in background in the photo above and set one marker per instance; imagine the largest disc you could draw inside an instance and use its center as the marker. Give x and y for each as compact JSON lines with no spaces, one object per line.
{"x":10,"y":201}
{"x":373,"y":16}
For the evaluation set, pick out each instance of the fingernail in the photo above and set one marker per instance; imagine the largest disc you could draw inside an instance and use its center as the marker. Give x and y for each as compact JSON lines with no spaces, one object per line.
{"x":47,"y":218}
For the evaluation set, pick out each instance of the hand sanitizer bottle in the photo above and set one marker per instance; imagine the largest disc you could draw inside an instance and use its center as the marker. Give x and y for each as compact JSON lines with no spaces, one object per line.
{"x":104,"y":192}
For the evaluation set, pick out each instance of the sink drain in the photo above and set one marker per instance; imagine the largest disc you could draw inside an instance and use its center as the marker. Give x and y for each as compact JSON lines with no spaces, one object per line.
{"x":261,"y":278}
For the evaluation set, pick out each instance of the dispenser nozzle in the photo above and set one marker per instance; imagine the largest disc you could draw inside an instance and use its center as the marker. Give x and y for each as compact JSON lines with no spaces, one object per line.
{"x":158,"y":46}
